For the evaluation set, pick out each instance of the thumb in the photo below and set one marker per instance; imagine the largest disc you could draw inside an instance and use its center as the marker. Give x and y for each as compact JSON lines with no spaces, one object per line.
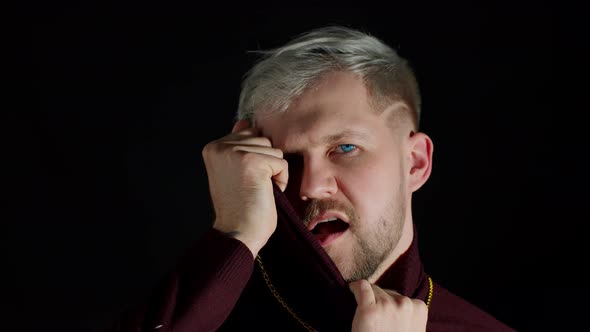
{"x":363,"y":292}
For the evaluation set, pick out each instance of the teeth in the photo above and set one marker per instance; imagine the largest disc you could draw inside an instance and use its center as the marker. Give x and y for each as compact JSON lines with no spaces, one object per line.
{"x":331,"y":219}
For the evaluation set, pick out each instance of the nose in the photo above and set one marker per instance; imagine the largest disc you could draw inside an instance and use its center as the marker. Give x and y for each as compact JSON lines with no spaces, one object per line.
{"x":317,"y":180}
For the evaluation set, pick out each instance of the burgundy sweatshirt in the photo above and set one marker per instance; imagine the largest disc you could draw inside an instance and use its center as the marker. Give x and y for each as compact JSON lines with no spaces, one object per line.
{"x":219,"y":286}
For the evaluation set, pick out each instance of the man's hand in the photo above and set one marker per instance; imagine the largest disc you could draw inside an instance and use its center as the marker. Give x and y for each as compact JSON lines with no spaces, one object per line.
{"x":386,"y":310}
{"x":240,"y":168}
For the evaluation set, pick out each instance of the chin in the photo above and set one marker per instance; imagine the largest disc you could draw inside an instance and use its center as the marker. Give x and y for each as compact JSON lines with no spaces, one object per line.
{"x":342,"y":261}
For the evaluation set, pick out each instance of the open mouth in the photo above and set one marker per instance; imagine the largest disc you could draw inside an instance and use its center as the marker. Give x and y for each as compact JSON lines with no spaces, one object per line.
{"x":328,"y":230}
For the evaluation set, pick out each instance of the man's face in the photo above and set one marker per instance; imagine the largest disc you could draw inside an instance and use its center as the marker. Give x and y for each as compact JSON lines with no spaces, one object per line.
{"x":345,"y":162}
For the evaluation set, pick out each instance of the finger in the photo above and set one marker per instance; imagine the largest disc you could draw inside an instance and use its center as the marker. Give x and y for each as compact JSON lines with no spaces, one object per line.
{"x":279,"y":169}
{"x":417,"y":304}
{"x":259,"y":149}
{"x":382,"y":295}
{"x":282,"y":177}
{"x":391,"y":292}
{"x":241,"y":125}
{"x":244,"y":135}
{"x":245,"y":140}
{"x":420,"y":304}
{"x":363,"y":292}
{"x":273,"y":158}
{"x":248,"y":132}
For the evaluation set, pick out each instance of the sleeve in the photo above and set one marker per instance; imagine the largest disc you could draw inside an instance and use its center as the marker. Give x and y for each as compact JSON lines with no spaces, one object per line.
{"x":199,"y":294}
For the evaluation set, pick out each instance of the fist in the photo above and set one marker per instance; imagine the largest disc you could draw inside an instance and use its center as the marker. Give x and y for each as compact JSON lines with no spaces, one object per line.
{"x":240,"y":169}
{"x":386,"y":310}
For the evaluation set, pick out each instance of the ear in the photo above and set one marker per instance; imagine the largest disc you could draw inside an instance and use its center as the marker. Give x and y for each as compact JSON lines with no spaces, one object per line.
{"x":240,"y":125}
{"x":420,"y":148}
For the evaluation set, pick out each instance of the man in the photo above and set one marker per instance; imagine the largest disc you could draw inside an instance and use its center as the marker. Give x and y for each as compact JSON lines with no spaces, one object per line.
{"x":332,"y":120}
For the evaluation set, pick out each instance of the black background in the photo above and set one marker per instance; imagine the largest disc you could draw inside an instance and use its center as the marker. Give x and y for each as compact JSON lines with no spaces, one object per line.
{"x":125,"y":95}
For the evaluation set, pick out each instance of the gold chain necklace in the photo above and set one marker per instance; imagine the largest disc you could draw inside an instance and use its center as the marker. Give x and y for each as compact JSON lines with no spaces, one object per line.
{"x":308,"y":327}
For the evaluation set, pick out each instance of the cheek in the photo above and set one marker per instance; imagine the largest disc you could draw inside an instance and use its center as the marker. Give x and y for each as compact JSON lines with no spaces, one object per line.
{"x":370,"y":188}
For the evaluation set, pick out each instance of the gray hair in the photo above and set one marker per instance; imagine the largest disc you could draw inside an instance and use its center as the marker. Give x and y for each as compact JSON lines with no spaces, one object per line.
{"x":284,"y":73}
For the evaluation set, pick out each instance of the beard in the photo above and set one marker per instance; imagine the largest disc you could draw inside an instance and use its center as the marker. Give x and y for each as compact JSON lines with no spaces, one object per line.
{"x":370,"y":243}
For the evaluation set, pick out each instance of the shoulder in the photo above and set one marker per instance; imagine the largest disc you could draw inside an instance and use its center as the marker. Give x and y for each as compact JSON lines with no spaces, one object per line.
{"x":449,"y":312}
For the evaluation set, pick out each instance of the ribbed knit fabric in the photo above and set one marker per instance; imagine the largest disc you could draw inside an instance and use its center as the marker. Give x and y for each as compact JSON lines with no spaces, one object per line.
{"x":200,"y":293}
{"x":218,"y":286}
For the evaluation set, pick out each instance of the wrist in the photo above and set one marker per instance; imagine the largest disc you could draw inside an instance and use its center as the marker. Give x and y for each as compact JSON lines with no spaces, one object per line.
{"x":253,"y":245}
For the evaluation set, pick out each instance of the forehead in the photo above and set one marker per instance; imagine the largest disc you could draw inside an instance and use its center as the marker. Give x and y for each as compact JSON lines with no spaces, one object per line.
{"x":338,"y":103}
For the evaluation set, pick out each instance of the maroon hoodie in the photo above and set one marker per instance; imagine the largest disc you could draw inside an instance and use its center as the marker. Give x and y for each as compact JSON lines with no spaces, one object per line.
{"x":219,"y":286}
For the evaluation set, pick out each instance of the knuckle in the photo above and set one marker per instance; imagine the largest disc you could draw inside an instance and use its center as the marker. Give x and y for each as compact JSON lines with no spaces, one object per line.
{"x":213,"y":146}
{"x":419,"y":305}
{"x":388,"y":305}
{"x":265,"y":141}
{"x":207,"y":148}
{"x":404,"y":303}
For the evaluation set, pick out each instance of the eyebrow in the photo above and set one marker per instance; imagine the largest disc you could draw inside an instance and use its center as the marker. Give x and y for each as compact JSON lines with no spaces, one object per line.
{"x":347,"y":133}
{"x":333,"y":138}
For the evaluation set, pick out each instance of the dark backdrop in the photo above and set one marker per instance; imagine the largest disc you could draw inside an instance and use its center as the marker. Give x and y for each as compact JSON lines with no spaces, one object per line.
{"x":125,"y":96}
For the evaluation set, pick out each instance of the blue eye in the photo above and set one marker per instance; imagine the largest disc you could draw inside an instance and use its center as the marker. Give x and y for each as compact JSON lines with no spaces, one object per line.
{"x":347,"y":147}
